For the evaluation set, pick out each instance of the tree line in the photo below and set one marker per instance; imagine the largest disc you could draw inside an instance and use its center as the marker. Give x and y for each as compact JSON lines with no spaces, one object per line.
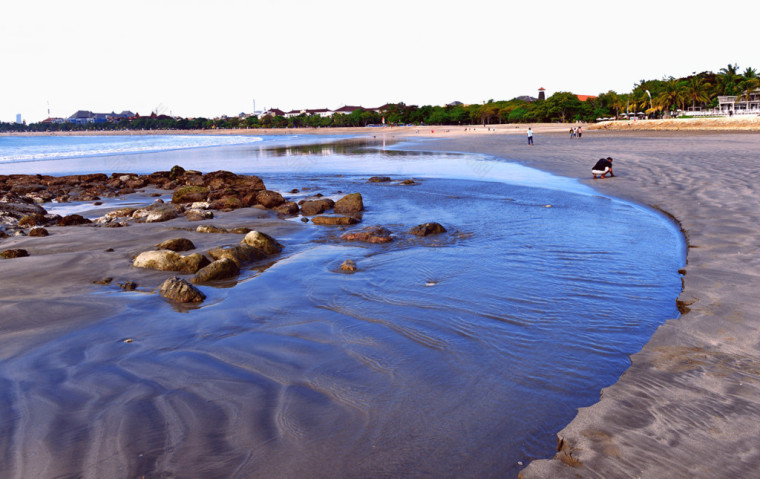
{"x":655,"y":98}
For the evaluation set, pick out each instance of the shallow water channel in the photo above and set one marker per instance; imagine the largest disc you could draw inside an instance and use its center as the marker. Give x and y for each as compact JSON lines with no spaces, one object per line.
{"x":455,"y":355}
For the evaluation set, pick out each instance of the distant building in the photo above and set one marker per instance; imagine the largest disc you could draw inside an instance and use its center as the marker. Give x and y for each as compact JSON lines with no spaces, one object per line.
{"x":542,"y":93}
{"x":323,"y":112}
{"x":455,"y":103}
{"x":83,"y":117}
{"x":729,"y":104}
{"x":347,"y":110}
{"x":18,"y":118}
{"x":274,"y":112}
{"x":586,"y":97}
{"x":527,"y":98}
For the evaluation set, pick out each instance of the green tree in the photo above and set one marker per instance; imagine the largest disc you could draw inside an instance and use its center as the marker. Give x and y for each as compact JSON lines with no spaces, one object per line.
{"x":671,"y":95}
{"x":697,"y":90}
{"x":728,"y":79}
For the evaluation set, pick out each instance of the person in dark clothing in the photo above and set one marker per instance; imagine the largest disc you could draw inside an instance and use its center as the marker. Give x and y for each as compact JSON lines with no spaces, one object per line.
{"x":602,"y":167}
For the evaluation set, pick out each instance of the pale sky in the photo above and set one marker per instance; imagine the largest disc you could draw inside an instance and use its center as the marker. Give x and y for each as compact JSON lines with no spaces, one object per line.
{"x":209,"y":58}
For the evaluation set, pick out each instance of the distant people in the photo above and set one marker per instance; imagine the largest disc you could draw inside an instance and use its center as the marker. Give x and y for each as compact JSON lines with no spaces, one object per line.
{"x":580,"y":132}
{"x":602,"y":167}
{"x":572,"y":132}
{"x":530,"y":137}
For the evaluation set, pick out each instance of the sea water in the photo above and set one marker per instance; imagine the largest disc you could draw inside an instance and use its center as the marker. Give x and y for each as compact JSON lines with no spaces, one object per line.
{"x":459,"y":355}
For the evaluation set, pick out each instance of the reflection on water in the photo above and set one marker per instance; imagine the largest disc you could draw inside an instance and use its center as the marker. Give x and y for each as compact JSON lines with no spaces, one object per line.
{"x":452,"y":356}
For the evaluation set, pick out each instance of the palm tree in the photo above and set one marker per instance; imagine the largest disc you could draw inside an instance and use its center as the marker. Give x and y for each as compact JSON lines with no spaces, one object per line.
{"x":749,"y":72}
{"x":747,"y":87}
{"x":728,"y":77}
{"x":671,"y":94}
{"x":697,"y":90}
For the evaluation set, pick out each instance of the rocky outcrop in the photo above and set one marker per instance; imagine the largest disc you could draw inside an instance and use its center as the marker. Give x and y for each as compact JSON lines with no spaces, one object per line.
{"x":349,"y":204}
{"x":220,"y":269}
{"x":334,"y":220}
{"x":315,"y":207}
{"x":370,"y":234}
{"x":427,"y":229}
{"x":262,"y":242}
{"x":18,"y":207}
{"x":176,"y":244}
{"x":181,"y":291}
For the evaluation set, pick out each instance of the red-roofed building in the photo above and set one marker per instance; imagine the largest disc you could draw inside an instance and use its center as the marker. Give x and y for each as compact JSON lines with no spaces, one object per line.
{"x":586,"y":97}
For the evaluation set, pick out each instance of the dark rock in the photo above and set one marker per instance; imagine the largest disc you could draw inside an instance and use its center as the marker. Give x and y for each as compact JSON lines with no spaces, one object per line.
{"x":190,"y":194}
{"x":19,"y":207}
{"x":294,"y":190}
{"x":269,"y":199}
{"x":103,"y":281}
{"x":176,"y":172}
{"x":220,"y":269}
{"x":192,"y":263}
{"x":427,"y":229}
{"x":240,"y":254}
{"x":128,"y":286}
{"x":176,"y":244}
{"x":35,"y":219}
{"x":288,"y":208}
{"x":408,"y":182}
{"x":240,"y":230}
{"x":39,"y":231}
{"x":379,"y":179}
{"x":304,"y":220}
{"x":181,"y":291}
{"x":370,"y":234}
{"x":349,"y":204}
{"x":334,"y":220}
{"x":72,"y":220}
{"x":315,"y":207}
{"x":14,"y":253}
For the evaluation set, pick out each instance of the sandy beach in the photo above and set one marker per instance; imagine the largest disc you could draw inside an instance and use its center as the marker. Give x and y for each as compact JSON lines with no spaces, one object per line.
{"x":689,"y":405}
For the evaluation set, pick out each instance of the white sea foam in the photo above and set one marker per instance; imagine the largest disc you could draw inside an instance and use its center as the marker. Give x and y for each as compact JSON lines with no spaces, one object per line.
{"x":25,"y":149}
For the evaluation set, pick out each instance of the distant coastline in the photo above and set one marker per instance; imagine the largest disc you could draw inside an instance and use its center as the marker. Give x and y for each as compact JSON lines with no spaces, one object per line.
{"x":746,"y":123}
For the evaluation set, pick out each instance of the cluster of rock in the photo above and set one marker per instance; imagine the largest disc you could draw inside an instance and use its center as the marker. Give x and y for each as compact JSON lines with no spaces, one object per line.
{"x":217,"y":263}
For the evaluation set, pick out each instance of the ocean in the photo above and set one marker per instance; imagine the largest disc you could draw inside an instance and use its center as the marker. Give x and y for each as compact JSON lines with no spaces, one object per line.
{"x":459,"y":355}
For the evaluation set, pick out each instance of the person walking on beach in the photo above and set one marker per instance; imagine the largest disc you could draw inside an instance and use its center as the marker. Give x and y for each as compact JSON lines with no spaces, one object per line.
{"x":530,"y":137}
{"x":580,"y":132}
{"x":572,"y":132}
{"x":602,"y":167}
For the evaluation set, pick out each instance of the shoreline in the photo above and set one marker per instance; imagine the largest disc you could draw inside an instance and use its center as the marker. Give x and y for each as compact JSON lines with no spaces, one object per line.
{"x":691,"y":397}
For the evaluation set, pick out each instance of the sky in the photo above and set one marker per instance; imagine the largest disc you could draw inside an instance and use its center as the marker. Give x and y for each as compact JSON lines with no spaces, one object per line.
{"x":210,"y":58}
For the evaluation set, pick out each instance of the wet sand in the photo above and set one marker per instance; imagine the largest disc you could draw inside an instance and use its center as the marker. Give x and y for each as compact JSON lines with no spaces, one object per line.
{"x":689,"y":406}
